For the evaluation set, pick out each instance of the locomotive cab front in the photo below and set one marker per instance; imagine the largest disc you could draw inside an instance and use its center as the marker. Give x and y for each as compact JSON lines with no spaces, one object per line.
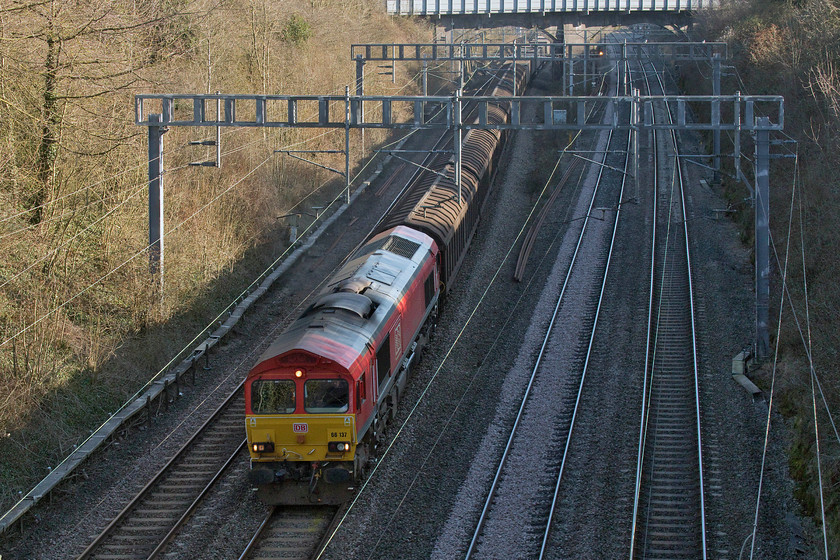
{"x":301,"y":433}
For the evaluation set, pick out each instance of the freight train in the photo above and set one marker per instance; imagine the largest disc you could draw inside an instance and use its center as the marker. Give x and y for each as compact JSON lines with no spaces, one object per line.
{"x":318,"y":400}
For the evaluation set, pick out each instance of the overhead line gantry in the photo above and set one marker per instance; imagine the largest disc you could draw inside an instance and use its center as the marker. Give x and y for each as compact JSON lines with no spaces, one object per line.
{"x":159,"y":111}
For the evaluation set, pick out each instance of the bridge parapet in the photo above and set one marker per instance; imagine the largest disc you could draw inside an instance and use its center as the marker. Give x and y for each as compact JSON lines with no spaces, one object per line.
{"x":539,"y":7}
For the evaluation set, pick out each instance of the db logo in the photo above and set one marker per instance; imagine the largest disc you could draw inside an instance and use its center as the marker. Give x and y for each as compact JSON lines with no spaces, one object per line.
{"x":300,"y":428}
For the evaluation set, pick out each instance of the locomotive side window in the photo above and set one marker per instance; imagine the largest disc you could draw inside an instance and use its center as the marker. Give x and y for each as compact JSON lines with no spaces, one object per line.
{"x":273,"y":396}
{"x":326,"y":395}
{"x":429,"y":287}
{"x":383,"y":361}
{"x":361,"y":388}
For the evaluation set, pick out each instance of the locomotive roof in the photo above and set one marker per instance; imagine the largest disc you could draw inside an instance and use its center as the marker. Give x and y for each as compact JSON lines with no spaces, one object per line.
{"x":349,"y":312}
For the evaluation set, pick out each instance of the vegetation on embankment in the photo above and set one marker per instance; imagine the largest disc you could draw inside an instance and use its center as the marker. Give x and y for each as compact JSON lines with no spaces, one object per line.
{"x":82,"y":323}
{"x":793,"y":49}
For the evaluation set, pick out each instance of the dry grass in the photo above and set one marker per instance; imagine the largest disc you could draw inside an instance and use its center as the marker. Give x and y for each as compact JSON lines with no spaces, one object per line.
{"x":82,"y":324}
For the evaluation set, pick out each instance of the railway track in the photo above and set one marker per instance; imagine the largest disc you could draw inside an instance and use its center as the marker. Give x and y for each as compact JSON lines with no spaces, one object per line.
{"x":152,"y":519}
{"x":669,"y":512}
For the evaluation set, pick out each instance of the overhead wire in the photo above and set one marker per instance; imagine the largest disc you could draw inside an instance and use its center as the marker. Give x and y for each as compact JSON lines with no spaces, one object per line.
{"x":69,"y":212}
{"x":112,"y":177}
{"x":121,"y":265}
{"x":806,"y":343}
{"x":796,"y":184}
{"x":241,"y":295}
{"x":71,"y":239}
{"x":217,"y":318}
{"x":125,"y":262}
{"x":438,"y":370}
{"x":786,"y":293}
{"x":73,"y":298}
{"x":279,"y":258}
{"x":90,"y":186}
{"x":144,"y":249}
{"x":112,"y":210}
{"x":806,"y":339}
{"x":75,"y":210}
{"x":214,"y":321}
{"x":128,"y":260}
{"x":68,"y":195}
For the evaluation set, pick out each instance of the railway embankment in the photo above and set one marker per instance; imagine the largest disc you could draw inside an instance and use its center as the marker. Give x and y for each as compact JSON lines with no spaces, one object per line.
{"x":792,"y":49}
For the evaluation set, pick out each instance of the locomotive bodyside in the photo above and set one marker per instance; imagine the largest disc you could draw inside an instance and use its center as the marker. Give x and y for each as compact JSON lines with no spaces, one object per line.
{"x":319,"y":398}
{"x":320,"y":395}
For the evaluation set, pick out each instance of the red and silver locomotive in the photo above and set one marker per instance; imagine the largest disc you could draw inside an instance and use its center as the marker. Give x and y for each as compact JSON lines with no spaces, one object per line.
{"x":319,"y":398}
{"x":322,"y":393}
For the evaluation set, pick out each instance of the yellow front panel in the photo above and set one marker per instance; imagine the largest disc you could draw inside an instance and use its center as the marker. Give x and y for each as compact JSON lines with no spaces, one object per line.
{"x":301,"y":437}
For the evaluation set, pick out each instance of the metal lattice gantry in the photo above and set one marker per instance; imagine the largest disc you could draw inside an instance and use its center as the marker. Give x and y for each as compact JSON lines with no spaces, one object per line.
{"x":536,"y":53}
{"x":569,"y":55}
{"x":284,"y":111}
{"x":543,"y":52}
{"x":541,"y":7}
{"x":747,"y":113}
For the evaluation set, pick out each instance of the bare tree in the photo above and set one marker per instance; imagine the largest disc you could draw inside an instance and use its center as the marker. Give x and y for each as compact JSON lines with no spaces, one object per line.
{"x":80,"y":51}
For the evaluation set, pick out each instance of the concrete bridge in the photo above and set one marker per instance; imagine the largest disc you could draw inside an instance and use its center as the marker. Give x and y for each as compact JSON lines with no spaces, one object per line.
{"x":460,"y":14}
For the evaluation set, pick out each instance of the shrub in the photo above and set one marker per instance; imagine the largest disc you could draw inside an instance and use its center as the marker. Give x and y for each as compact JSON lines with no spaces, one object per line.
{"x":296,"y":32}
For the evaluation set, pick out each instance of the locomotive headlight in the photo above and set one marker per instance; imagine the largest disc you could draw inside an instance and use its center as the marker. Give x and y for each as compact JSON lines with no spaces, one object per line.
{"x":262,"y":447}
{"x":338,"y":447}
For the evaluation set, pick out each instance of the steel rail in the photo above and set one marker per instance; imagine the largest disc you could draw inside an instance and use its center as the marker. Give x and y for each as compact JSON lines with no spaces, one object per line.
{"x":89,"y":552}
{"x":257,"y":534}
{"x":194,"y":503}
{"x":649,"y":352}
{"x":692,"y":316}
{"x":291,"y":532}
{"x":531,"y":235}
{"x":536,"y":367}
{"x":589,"y":348}
{"x":642,"y":431}
{"x":200,"y":498}
{"x":693,"y":343}
{"x":218,"y":414}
